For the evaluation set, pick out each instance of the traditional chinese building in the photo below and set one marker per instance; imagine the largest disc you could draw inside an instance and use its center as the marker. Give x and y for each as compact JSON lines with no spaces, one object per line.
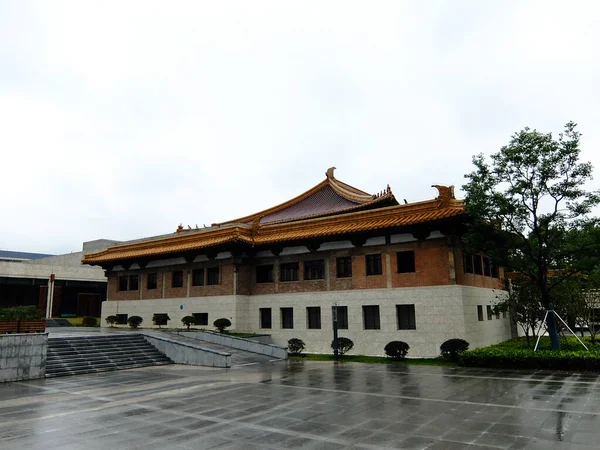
{"x":395,"y":271}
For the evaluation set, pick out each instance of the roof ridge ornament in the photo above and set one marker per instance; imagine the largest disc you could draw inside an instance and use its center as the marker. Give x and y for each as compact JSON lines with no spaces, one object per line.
{"x":329,"y":173}
{"x":446,"y":195}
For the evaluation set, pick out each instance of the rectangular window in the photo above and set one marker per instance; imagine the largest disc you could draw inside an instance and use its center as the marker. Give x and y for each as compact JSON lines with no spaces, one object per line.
{"x":288,"y":272}
{"x":198,"y":277}
{"x":134,"y":282}
{"x":121,"y":319}
{"x":343,"y":267}
{"x":371,"y":317}
{"x":487,"y":267}
{"x":480,"y":313}
{"x":313,"y":317}
{"x":264,"y":274}
{"x":490,"y":314}
{"x":200,"y":318}
{"x":497,"y":314}
{"x":151,"y":281}
{"x":468,"y":263}
{"x":342,"y":317}
{"x":212,"y":276}
{"x":314,"y":270}
{"x":477,"y":266}
{"x":177,"y":278}
{"x":265,"y":317}
{"x":495,"y":270}
{"x":373,"y":263}
{"x":406,"y":261}
{"x":406,"y":317}
{"x":287,"y":317}
{"x":123,"y":283}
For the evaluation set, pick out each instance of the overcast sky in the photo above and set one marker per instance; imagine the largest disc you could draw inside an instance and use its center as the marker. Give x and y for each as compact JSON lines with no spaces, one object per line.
{"x":122,"y":119}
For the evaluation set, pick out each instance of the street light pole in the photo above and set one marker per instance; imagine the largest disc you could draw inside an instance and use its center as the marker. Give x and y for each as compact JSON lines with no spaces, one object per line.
{"x":335,"y":331}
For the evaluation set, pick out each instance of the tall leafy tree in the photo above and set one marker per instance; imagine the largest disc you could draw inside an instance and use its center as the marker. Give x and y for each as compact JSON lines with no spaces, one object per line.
{"x":531,"y":210}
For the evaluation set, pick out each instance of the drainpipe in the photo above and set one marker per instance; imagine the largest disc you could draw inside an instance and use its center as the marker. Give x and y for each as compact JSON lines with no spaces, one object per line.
{"x":50,"y":297}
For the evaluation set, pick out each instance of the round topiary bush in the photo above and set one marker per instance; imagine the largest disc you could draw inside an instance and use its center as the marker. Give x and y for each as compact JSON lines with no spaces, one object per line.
{"x":188,"y":320}
{"x":344,"y":345}
{"x":221,"y":324}
{"x":135,"y":321}
{"x":452,"y":348}
{"x":89,"y":321}
{"x":111,"y":320}
{"x":295,"y":346}
{"x":396,"y":350}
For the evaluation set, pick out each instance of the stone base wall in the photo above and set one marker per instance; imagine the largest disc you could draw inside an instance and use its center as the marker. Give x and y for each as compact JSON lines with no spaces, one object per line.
{"x":23,"y":356}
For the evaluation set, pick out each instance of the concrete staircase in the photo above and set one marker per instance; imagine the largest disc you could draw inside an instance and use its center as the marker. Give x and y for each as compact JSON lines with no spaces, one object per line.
{"x":90,"y":354}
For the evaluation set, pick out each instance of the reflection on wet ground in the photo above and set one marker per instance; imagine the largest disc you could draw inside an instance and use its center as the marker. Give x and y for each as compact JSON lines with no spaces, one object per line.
{"x":306,"y":404}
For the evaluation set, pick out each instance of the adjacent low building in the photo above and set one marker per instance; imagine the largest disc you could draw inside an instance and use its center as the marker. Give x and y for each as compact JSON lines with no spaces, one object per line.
{"x":394,"y":272}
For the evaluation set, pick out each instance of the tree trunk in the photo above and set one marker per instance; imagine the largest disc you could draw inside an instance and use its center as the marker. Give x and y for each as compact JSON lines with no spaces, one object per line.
{"x":551,"y":325}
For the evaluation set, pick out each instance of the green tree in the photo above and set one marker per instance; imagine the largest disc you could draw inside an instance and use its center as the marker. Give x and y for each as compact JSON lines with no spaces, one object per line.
{"x":530,"y":208}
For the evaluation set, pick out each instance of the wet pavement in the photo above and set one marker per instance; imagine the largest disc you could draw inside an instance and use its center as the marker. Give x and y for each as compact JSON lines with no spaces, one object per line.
{"x":306,"y":404}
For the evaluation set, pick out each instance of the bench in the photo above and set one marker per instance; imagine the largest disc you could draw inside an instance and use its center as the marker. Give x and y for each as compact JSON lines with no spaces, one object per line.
{"x":22,"y":326}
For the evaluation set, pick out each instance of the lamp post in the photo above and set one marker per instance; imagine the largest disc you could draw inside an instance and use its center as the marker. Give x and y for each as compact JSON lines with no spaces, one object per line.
{"x":335,"y":331}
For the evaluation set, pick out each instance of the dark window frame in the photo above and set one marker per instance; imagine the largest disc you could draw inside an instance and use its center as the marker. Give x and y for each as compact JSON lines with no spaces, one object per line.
{"x":487,"y":266}
{"x":177,"y":279}
{"x":480,"y":313}
{"x":468,"y":263}
{"x":152,"y":281}
{"x":406,"y":318}
{"x":213,"y":276}
{"x":343,"y":267}
{"x":265,"y":318}
{"x":477,"y":265}
{"x":289,"y":271}
{"x":405,"y":261}
{"x":123,"y":283}
{"x":286,"y":314}
{"x":134,"y":283}
{"x":313,"y":317}
{"x":371,"y":317}
{"x":489,"y":311}
{"x":198,"y":277}
{"x":373,"y":264}
{"x":200,"y":318}
{"x":265,"y":273}
{"x":314,"y":269}
{"x":342,"y":313}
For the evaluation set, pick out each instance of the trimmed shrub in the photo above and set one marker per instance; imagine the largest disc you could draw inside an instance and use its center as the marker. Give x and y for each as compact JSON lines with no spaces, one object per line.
{"x":452,"y":348}
{"x":295,"y":346}
{"x":160,"y":319}
{"x":221,"y":324}
{"x":111,"y":320}
{"x":396,"y":350}
{"x":89,"y":321}
{"x":135,"y":321}
{"x":21,"y":313}
{"x":188,"y":321}
{"x":344,"y":345}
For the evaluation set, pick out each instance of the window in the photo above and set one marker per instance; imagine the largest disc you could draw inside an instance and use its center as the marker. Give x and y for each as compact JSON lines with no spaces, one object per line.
{"x":488,"y":309}
{"x":123,"y":283}
{"x":480,"y":313}
{"x":212,"y":276}
{"x":487,"y":267}
{"x":477,"y":267}
{"x":495,"y":271}
{"x":406,"y":317}
{"x":371,"y":317}
{"x":314,"y":270}
{"x":177,"y":278}
{"x":313,"y":317}
{"x":374,"y":264}
{"x":121,"y":319}
{"x":151,"y":281}
{"x":497,"y":313}
{"x":287,"y":317}
{"x":200,"y":318}
{"x":342,"y":317}
{"x":468,"y":263}
{"x":264,"y":274}
{"x":406,"y":261}
{"x":288,"y":272}
{"x":265,"y":317}
{"x":198,"y":277}
{"x":134,"y":282}
{"x":344,"y":267}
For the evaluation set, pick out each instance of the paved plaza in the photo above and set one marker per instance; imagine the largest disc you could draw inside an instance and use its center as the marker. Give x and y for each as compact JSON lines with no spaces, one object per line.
{"x":303,"y":404}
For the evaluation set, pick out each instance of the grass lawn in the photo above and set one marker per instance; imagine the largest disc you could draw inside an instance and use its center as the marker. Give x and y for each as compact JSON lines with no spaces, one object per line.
{"x":374,"y":360}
